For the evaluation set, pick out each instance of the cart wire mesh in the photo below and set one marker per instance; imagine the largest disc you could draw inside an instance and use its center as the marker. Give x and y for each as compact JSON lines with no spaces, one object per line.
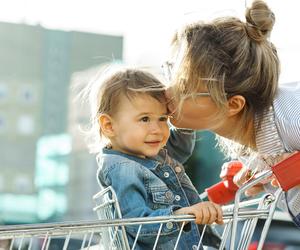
{"x":109,"y":231}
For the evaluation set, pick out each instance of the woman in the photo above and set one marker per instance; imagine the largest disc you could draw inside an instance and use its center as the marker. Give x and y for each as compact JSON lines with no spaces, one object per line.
{"x":225,"y":79}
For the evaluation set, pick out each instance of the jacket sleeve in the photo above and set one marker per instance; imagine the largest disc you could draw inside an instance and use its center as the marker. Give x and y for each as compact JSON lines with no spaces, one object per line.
{"x":128,"y":183}
{"x":181,"y":144}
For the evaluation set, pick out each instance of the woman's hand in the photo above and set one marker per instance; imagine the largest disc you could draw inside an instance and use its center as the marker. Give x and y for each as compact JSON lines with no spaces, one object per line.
{"x":205,"y":212}
{"x":243,"y":176}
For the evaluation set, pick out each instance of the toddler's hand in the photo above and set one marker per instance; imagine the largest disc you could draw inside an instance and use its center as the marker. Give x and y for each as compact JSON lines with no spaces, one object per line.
{"x":205,"y":212}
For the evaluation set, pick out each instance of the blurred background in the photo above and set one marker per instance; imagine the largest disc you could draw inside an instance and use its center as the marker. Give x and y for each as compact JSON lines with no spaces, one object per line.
{"x":47,"y":47}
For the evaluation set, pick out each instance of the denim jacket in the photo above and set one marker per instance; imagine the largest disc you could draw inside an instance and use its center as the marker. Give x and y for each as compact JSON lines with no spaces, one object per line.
{"x":155,"y":187}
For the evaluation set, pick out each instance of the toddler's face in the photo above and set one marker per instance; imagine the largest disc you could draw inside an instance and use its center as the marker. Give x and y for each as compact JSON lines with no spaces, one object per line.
{"x":140,"y":126}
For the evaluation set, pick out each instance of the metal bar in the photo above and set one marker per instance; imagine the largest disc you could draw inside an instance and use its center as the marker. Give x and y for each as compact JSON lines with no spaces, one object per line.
{"x":66,"y":243}
{"x":83,"y":241}
{"x":30,"y":244}
{"x":90,"y":239}
{"x":225,"y":234}
{"x":136,"y":237}
{"x":201,"y":237}
{"x":238,"y":194}
{"x":77,"y":227}
{"x":45,"y":241}
{"x":269,"y":219}
{"x":250,"y":224}
{"x":12,"y":243}
{"x":21,"y":243}
{"x":48,"y":242}
{"x":158,"y":235}
{"x":179,"y":235}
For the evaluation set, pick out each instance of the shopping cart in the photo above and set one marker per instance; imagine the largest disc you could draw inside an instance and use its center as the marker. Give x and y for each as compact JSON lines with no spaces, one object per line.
{"x":109,"y":232}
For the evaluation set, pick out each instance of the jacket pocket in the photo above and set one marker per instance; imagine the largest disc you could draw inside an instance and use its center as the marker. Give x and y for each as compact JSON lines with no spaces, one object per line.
{"x":162,"y":196}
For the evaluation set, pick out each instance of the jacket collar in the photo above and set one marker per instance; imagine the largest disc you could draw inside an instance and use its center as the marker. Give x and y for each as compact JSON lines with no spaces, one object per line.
{"x":150,"y":163}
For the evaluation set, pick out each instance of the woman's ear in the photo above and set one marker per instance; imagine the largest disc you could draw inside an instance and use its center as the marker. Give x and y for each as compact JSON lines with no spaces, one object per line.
{"x":236,"y":104}
{"x":106,"y":125}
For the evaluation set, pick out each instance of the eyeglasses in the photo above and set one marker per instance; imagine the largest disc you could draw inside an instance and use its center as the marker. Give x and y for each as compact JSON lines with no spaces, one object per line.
{"x":167,"y":68}
{"x":168,"y":72}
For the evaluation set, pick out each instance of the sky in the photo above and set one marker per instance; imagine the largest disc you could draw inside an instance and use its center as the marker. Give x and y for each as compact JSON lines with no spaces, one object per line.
{"x":148,"y":25}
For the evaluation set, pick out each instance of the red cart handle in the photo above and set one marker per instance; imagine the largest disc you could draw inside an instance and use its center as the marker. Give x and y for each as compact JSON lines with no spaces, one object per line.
{"x":287,"y":172}
{"x":224,"y":191}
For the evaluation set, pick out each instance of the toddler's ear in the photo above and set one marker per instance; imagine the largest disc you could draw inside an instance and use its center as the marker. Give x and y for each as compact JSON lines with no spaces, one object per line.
{"x":105,"y":123}
{"x":236,"y":104}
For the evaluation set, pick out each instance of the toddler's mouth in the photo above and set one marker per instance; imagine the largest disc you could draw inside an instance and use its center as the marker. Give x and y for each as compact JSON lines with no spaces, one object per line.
{"x":153,"y":143}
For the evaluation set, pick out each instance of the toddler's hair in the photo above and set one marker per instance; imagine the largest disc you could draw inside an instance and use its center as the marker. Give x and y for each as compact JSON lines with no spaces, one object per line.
{"x":106,"y":91}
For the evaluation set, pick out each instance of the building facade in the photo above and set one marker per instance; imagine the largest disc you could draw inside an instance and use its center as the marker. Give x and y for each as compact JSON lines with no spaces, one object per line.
{"x":36,"y":65}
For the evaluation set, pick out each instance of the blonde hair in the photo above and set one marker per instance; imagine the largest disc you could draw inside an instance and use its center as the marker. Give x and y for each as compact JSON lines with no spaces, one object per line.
{"x":230,"y":57}
{"x":105,"y":93}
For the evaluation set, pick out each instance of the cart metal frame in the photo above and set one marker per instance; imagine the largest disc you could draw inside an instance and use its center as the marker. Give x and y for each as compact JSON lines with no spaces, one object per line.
{"x":109,"y":232}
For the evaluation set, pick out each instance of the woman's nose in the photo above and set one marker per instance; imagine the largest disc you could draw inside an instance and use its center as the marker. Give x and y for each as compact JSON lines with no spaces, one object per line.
{"x":169,"y":94}
{"x":170,"y":101}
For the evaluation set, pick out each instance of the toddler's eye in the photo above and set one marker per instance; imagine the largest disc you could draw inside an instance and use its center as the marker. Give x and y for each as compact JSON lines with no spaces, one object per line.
{"x":163,"y":118}
{"x":145,"y":119}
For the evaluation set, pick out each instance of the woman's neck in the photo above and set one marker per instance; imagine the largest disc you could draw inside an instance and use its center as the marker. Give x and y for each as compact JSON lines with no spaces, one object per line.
{"x":243,"y":133}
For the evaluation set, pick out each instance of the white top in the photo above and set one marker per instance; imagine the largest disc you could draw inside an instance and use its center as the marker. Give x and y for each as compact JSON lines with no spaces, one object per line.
{"x":279,"y":132}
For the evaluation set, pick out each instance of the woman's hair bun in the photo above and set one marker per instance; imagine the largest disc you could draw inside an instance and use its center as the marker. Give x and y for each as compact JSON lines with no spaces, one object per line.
{"x":259,"y":20}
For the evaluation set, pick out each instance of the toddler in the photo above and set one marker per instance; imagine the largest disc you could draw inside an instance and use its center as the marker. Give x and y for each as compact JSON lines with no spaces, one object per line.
{"x":141,"y":158}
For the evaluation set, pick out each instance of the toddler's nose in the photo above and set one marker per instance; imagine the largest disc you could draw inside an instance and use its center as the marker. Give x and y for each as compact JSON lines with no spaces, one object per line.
{"x":155,"y":127}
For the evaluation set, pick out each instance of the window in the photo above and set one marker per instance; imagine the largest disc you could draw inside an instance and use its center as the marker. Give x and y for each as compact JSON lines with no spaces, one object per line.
{"x":2,"y":124}
{"x":27,"y":94}
{"x":25,"y":125}
{"x":3,"y":92}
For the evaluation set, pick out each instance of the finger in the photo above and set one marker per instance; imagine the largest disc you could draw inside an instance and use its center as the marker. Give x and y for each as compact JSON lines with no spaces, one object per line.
{"x":286,"y":155}
{"x":241,"y":177}
{"x":274,"y":183}
{"x":219,"y":215}
{"x":206,"y":215}
{"x":199,"y":216}
{"x":213,"y":213}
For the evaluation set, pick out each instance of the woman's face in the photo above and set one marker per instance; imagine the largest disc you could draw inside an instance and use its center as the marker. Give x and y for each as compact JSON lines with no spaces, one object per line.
{"x":198,"y":113}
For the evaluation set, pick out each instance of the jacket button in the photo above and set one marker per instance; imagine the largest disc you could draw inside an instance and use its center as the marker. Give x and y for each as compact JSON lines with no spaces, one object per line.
{"x":177,"y":197}
{"x":178,"y":169}
{"x":169,"y":195}
{"x":166,"y":174}
{"x":194,"y":247}
{"x":169,"y":225}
